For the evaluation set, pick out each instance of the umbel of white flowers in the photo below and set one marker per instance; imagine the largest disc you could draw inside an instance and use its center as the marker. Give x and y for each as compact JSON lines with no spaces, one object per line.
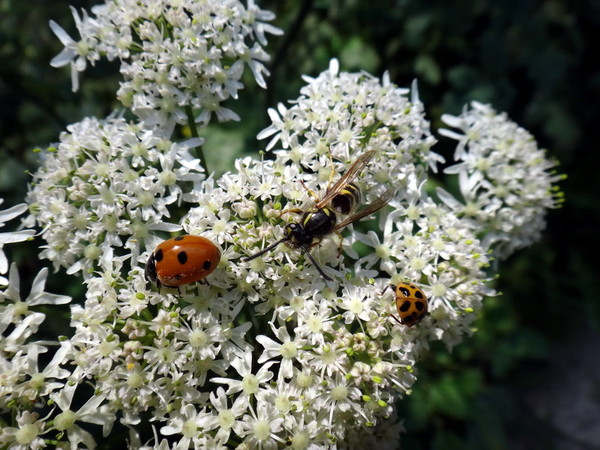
{"x":175,"y":56}
{"x":267,"y":353}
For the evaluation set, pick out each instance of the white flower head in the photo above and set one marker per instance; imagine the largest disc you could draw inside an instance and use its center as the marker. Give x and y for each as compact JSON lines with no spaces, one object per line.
{"x":264,"y":352}
{"x":106,"y":185}
{"x":175,"y":57}
{"x":506,"y":181}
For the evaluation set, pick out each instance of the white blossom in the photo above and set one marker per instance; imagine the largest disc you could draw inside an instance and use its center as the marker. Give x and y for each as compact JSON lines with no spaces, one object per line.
{"x":263,"y":353}
{"x":106,"y":186}
{"x":10,"y":237}
{"x":506,"y":181}
{"x":173,"y":55}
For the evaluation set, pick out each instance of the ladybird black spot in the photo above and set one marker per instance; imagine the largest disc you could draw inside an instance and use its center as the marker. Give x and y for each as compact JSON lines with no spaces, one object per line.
{"x":182,"y":257}
{"x":420,"y":305}
{"x":405,"y":306}
{"x":405,"y":292}
{"x":408,"y":319}
{"x":206,"y":265}
{"x":418,"y":294}
{"x":178,"y":238}
{"x":158,"y":255}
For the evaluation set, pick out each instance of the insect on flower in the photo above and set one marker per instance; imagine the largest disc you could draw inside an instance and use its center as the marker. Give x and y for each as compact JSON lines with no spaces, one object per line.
{"x":411,"y":303}
{"x":321,"y":219}
{"x":182,"y":260}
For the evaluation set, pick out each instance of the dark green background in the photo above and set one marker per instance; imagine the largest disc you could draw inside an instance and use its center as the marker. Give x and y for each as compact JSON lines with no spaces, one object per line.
{"x":536,"y":352}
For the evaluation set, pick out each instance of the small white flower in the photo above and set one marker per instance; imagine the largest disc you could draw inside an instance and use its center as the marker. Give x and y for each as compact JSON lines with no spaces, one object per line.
{"x":356,"y":304}
{"x":75,"y":53}
{"x":28,"y":433}
{"x":225,"y":417}
{"x":260,"y":428}
{"x":249,"y":382}
{"x":288,"y":350}
{"x":11,"y":237}
{"x":187,"y":422}
{"x":90,"y":412}
{"x":339,"y":399}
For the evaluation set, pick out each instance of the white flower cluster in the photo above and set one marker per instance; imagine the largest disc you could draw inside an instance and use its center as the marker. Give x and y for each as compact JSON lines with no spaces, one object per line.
{"x":329,"y":360}
{"x":338,"y":113}
{"x":22,"y":379}
{"x":266,"y":353}
{"x":107,"y":185}
{"x":505,"y":180}
{"x":176,"y":55}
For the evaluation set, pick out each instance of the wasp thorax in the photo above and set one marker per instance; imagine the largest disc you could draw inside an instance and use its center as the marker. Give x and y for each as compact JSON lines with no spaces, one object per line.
{"x":320,"y":222}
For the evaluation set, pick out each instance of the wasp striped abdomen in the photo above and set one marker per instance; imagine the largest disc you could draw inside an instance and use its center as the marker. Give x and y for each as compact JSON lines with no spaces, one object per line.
{"x":346,"y":199}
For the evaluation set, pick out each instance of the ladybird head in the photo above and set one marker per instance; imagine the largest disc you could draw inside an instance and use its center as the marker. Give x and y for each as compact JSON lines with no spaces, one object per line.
{"x":150,"y":272}
{"x":408,"y":290}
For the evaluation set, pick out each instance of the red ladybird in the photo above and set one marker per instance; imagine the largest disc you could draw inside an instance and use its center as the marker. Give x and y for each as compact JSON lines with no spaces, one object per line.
{"x":182,"y":260}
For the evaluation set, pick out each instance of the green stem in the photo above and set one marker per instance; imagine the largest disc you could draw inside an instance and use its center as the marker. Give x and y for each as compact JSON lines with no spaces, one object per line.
{"x":194,"y":132}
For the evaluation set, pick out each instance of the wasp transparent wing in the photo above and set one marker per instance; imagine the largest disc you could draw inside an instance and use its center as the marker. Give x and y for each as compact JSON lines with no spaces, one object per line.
{"x":357,"y":167}
{"x":376,"y":205}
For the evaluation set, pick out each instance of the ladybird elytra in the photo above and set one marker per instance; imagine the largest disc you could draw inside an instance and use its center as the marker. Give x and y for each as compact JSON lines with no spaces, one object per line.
{"x":411,"y":304}
{"x":182,"y":260}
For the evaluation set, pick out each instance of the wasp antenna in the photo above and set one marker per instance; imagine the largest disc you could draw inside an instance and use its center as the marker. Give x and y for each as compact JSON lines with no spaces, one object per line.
{"x":265,"y":250}
{"x":312,"y":260}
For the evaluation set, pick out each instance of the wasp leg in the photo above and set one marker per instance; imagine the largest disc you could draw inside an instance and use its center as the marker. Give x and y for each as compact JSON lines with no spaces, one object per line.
{"x":265,"y":250}
{"x":292,"y":211}
{"x":341,"y":238}
{"x":312,"y":193}
{"x":312,"y":259}
{"x":314,"y":244}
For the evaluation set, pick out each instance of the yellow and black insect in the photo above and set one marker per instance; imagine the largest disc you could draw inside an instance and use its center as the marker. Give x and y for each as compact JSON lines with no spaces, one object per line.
{"x":321,"y":219}
{"x":411,"y":303}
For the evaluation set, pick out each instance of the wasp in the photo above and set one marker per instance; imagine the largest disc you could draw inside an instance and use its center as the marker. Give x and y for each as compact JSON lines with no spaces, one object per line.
{"x":321,"y":219}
